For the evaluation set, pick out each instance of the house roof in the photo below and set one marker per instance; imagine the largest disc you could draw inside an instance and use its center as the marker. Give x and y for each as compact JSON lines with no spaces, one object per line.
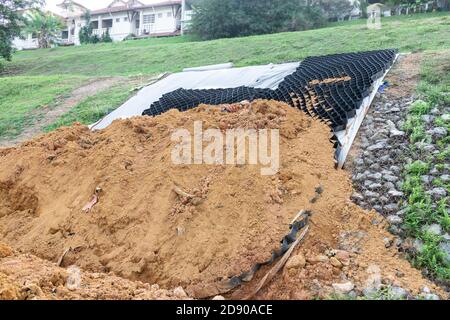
{"x":127,"y":7}
{"x":70,"y":2}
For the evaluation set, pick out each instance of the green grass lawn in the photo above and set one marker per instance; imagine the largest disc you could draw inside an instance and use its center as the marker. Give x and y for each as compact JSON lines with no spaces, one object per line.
{"x":94,"y":108}
{"x":22,"y":95}
{"x":417,"y":32}
{"x":39,"y":78}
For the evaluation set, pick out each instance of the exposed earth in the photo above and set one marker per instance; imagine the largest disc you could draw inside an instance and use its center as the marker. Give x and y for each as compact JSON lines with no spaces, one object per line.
{"x":113,"y":204}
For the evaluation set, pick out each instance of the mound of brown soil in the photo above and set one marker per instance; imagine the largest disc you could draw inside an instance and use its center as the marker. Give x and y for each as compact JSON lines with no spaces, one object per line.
{"x":141,"y":229}
{"x":25,"y":277}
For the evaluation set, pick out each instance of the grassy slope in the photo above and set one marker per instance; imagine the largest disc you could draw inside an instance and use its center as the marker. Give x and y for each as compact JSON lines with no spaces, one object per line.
{"x":94,"y":108}
{"x":425,"y":31}
{"x":49,"y":72}
{"x":20,"y":96}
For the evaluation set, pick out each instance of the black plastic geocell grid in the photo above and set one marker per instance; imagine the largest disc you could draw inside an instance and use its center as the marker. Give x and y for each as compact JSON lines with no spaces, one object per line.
{"x":331,"y":88}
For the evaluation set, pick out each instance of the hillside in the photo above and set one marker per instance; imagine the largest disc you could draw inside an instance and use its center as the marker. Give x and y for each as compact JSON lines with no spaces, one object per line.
{"x":46,"y":78}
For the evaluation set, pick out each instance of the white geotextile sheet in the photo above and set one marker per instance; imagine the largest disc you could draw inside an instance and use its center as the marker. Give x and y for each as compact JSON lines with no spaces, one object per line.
{"x":266,"y":76}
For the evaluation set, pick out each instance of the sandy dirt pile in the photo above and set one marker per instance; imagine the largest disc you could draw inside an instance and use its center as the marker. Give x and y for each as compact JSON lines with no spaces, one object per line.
{"x":142,"y":230}
{"x":26,"y":277}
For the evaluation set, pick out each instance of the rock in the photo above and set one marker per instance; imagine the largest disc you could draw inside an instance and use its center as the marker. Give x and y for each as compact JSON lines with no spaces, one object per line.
{"x":434,"y":171}
{"x":431,"y":296}
{"x":357,"y":196}
{"x":389,"y":178}
{"x":221,"y":298}
{"x":426,"y":179}
{"x":387,"y":242}
{"x":438,"y":193}
{"x":371,"y":194}
{"x":445,"y":247}
{"x":377,"y":146}
{"x":179,"y":293}
{"x":427,"y":119}
{"x":389,"y":185}
{"x":395,"y":194}
{"x":435,"y":111}
{"x":335,"y":262}
{"x":296,"y":262}
{"x":394,"y":110}
{"x":438,"y":132}
{"x":343,"y":257}
{"x":394,"y":230}
{"x":373,"y":282}
{"x":375,"y":186}
{"x":392,"y":219}
{"x":360,"y":177}
{"x":343,"y":288}
{"x":375,"y":176}
{"x":352,"y":240}
{"x":446,"y":117}
{"x":359,"y":162}
{"x":418,"y":245}
{"x":435,"y":229}
{"x":318,"y":259}
{"x":391,"y":207}
{"x":32,"y":291}
{"x":375,"y":167}
{"x":387,"y":172}
{"x":395,"y":169}
{"x":394,"y":133}
{"x":398,"y":293}
{"x":378,"y":208}
{"x":445,"y":178}
{"x":391,"y":125}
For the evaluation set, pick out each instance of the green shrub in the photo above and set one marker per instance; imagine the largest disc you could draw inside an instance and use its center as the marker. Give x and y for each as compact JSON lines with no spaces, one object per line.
{"x":420,"y":108}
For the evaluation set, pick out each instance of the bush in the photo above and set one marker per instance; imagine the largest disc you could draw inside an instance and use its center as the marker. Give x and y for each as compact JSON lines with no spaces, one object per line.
{"x":106,"y":37}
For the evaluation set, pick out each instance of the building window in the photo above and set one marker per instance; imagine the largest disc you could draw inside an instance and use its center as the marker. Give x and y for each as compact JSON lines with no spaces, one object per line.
{"x":94,"y":24}
{"x":160,"y":15}
{"x":118,"y":20}
{"x":125,"y":19}
{"x":169,"y":14}
{"x":107,"y":23}
{"x":138,"y":24}
{"x":149,"y":18}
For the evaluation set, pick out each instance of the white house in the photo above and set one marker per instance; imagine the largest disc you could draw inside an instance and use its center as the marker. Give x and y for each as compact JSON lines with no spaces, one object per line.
{"x":121,"y":19}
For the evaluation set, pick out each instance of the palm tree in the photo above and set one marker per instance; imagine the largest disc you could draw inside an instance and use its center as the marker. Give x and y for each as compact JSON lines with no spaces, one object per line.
{"x":45,"y":25}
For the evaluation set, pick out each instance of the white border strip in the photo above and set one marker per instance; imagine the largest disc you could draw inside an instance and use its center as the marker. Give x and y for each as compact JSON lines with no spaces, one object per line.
{"x":347,"y":137}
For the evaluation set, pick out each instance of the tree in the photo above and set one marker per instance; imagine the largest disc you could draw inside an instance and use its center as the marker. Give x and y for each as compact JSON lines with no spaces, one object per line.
{"x":106,"y":37}
{"x":12,"y":22}
{"x":85,"y":33}
{"x":233,"y":18}
{"x":336,"y":9}
{"x":46,"y":26}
